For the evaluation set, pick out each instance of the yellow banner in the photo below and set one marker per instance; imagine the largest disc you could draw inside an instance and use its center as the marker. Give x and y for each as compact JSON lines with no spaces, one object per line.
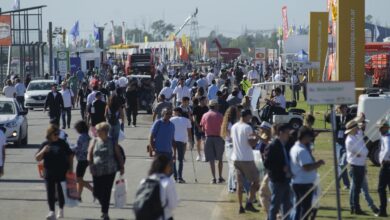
{"x":318,"y":43}
{"x":350,"y":41}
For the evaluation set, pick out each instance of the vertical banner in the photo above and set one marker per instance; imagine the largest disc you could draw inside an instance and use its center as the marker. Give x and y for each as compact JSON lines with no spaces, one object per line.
{"x":112,"y":33}
{"x":318,"y":43}
{"x":123,"y":33}
{"x":5,"y":30}
{"x":350,"y":41}
{"x":63,"y":62}
{"x":285,"y":23}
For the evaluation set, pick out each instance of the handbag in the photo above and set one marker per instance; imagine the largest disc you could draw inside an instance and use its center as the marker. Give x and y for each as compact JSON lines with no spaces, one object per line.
{"x":71,"y":186}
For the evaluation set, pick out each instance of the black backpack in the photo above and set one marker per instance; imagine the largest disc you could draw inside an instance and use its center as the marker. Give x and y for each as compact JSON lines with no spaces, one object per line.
{"x":147,"y":204}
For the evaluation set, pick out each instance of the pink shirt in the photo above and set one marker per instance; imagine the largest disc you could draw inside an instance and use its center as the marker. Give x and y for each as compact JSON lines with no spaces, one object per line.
{"x":211,"y":123}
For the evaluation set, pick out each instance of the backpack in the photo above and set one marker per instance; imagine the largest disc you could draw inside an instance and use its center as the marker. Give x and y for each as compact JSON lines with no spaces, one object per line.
{"x":111,"y":86}
{"x":147,"y":203}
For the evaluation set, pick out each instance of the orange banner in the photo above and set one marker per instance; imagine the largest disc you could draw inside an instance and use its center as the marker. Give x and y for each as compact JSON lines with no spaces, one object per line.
{"x":5,"y":30}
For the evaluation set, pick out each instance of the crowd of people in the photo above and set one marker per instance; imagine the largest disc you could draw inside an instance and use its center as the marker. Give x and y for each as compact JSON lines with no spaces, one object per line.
{"x":207,"y":107}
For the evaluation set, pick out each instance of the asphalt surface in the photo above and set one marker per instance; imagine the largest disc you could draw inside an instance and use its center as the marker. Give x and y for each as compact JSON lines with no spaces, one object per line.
{"x":23,"y":195}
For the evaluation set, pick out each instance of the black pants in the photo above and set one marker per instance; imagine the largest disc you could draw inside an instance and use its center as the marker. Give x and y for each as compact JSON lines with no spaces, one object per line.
{"x":55,"y":116}
{"x":180,"y":147}
{"x":68,"y":113}
{"x":102,"y":186}
{"x":51,"y":184}
{"x":303,"y":207}
{"x":384,"y":182}
{"x":20,"y":100}
{"x":83,"y":109}
{"x":296,"y":90}
{"x":357,"y":174}
{"x":132,"y":112}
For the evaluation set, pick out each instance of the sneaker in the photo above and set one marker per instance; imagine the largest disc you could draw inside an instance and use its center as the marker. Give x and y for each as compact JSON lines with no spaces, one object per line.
{"x":132,"y":126}
{"x":249,"y":206}
{"x":105,"y":216}
{"x":181,"y":180}
{"x":360,"y":212}
{"x":128,"y":123}
{"x":198,"y":158}
{"x":242,"y":210}
{"x":60,"y":213}
{"x":375,"y":210}
{"x":51,"y":216}
{"x":221,"y":180}
{"x":214,"y":181}
{"x":204,"y":158}
{"x":381,"y":214}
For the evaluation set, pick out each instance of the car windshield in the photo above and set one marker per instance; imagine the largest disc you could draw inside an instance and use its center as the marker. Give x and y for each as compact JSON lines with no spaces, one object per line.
{"x":39,"y":86}
{"x":7,"y":108}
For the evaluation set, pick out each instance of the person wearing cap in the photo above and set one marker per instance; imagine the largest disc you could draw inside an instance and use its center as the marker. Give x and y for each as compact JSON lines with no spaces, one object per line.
{"x":81,"y":98}
{"x":182,"y":136}
{"x":214,"y":144}
{"x":277,"y":163}
{"x":67,"y":96}
{"x":356,"y":156}
{"x":55,"y":104}
{"x":244,"y":140}
{"x":384,"y":160}
{"x":304,"y":169}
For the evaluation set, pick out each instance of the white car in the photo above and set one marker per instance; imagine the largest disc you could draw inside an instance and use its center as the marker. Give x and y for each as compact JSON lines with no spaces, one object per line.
{"x":36,"y":93}
{"x":13,"y":119}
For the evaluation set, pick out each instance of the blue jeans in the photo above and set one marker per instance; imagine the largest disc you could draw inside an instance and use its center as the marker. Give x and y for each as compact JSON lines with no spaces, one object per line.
{"x":114,"y":132}
{"x":366,"y":194}
{"x":280,"y":196}
{"x":342,"y":159}
{"x":68,"y":113}
{"x":180,"y":147}
{"x":357,"y":174}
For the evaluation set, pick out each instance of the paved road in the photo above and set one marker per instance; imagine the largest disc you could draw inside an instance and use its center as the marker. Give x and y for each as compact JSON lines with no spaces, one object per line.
{"x":23,"y":196}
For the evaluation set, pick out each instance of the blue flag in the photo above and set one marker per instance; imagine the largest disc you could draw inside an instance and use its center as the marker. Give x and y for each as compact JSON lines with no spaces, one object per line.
{"x":74,"y":31}
{"x":96,"y":34}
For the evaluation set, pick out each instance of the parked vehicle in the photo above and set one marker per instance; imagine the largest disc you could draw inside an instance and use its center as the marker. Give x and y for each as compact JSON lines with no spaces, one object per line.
{"x":377,"y":64}
{"x":139,"y":64}
{"x":14,"y":120}
{"x":36,"y":93}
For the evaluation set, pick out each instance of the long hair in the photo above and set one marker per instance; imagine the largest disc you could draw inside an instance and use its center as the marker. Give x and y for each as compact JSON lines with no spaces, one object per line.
{"x":114,"y":103}
{"x":159,"y":164}
{"x":52,"y":129}
{"x":230,"y":116}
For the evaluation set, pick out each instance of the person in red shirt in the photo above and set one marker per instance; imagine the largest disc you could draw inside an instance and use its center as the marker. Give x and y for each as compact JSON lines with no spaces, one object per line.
{"x":214,"y":145}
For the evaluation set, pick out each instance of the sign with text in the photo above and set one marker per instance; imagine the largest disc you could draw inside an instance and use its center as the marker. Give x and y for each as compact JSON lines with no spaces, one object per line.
{"x":350,"y":41}
{"x":5,"y":30}
{"x":331,"y":93}
{"x":63,"y":62}
{"x":318,"y":43}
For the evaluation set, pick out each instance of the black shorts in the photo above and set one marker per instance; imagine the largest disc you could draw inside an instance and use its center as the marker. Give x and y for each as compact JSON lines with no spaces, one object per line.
{"x":199,"y":134}
{"x":81,"y":168}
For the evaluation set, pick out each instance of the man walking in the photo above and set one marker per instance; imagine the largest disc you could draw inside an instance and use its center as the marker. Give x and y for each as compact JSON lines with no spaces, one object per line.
{"x":181,"y":91}
{"x":20,"y":90}
{"x":162,"y":136}
{"x":384,"y":159}
{"x":182,"y":135}
{"x":277,"y":163}
{"x":67,"y":96}
{"x":159,"y":106}
{"x":244,"y":140}
{"x":55,"y":103}
{"x":214,"y":144}
{"x":96,"y":111}
{"x":82,"y":99}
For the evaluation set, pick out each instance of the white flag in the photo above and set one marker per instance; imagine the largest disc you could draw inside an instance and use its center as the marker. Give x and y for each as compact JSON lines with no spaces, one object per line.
{"x":16,"y":5}
{"x":112,"y":33}
{"x":377,"y":33}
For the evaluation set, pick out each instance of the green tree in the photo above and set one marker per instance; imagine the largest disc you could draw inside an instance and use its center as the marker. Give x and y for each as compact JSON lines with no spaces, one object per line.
{"x":161,"y":30}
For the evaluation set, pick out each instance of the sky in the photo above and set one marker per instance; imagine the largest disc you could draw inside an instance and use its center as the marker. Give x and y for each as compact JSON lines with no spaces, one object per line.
{"x":228,"y":17}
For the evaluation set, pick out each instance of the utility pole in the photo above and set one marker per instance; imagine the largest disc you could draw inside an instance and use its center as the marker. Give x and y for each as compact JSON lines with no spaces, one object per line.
{"x":50,"y":41}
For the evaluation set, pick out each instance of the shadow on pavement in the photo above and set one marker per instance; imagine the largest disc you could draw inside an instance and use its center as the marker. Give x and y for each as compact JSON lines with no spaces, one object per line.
{"x":21,"y":199}
{"x":202,"y":200}
{"x":21,"y":181}
{"x":29,"y":146}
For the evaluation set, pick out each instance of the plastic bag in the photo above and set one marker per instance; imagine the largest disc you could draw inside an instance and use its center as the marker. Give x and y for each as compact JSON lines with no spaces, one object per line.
{"x":71,"y":186}
{"x":120,"y":192}
{"x":41,"y":170}
{"x":68,"y":201}
{"x":121,"y":136}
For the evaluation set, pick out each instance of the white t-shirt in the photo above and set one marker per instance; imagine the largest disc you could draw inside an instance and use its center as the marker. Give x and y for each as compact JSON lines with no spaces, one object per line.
{"x":181,"y":126}
{"x":240,"y":133}
{"x":277,"y":78}
{"x":9,"y":91}
{"x":210,"y":77}
{"x":181,"y":92}
{"x":67,"y":97}
{"x":281,"y":100}
{"x":300,"y":156}
{"x":3,"y":141}
{"x":167,"y":92}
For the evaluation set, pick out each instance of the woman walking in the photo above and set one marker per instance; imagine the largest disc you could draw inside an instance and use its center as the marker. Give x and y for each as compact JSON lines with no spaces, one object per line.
{"x":103,"y":157}
{"x":114,"y":113}
{"x":81,"y":151}
{"x":57,"y":160}
{"x":230,"y":117}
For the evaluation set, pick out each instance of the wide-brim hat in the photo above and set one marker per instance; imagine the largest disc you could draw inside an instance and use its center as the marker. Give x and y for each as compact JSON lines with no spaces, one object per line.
{"x":382,"y":123}
{"x":361,"y":118}
{"x":350,"y":126}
